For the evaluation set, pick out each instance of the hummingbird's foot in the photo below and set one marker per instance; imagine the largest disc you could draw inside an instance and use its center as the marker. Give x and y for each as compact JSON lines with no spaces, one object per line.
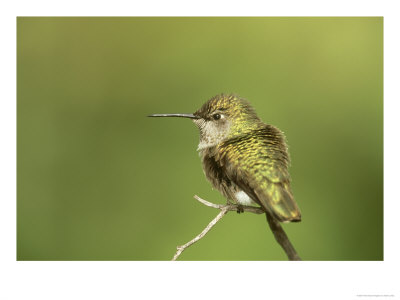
{"x":240,"y":209}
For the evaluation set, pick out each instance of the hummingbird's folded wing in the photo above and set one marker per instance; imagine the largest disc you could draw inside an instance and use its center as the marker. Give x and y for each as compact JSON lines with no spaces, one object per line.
{"x":258,"y":164}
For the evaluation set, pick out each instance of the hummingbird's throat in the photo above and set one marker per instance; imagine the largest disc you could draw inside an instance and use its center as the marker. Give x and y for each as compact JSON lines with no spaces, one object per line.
{"x":212,"y":133}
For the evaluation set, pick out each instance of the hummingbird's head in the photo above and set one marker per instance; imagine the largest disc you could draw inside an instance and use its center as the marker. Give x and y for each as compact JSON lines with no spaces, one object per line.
{"x":224,"y":117}
{"x":221,"y":118}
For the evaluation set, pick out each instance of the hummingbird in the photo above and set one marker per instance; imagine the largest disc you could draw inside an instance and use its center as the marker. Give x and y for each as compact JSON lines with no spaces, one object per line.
{"x":243,"y":158}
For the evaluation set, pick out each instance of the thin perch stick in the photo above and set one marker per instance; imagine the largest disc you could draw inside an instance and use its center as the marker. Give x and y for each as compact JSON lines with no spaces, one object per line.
{"x":276,"y":228}
{"x":224,"y":210}
{"x":281,"y":238}
{"x":180,"y":249}
{"x":231,"y":207}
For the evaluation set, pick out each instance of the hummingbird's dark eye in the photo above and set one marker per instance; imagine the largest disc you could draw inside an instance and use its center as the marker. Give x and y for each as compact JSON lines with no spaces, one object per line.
{"x":217,"y":116}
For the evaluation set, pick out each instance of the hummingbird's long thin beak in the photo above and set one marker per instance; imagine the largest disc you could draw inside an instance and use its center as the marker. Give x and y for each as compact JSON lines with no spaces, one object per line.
{"x":190,"y":116}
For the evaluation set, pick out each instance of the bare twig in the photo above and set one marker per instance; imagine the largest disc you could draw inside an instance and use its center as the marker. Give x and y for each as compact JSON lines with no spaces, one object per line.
{"x":276,"y":228}
{"x":281,"y":238}
{"x":180,"y":249}
{"x":231,"y":207}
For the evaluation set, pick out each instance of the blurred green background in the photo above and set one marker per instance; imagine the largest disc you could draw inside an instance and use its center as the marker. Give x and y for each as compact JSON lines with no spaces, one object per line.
{"x":97,"y":180}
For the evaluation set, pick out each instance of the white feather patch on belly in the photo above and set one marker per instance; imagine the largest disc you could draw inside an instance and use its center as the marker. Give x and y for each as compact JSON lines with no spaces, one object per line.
{"x":244,"y":199}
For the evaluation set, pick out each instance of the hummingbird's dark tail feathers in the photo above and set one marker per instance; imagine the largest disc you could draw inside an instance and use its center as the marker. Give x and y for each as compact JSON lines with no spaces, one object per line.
{"x":277,"y":199}
{"x":292,"y":210}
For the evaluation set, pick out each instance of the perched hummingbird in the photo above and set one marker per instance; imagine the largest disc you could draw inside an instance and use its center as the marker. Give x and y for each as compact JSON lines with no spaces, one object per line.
{"x":244,"y":158}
